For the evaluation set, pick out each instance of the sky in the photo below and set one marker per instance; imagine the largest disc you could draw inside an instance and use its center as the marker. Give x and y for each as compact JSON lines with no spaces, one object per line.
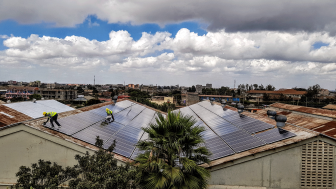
{"x":284,"y":43}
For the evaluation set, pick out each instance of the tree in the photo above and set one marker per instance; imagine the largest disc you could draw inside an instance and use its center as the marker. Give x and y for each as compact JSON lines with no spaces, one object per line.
{"x":255,"y":86}
{"x":100,"y":170}
{"x":94,"y":90}
{"x":261,"y":87}
{"x":44,"y":174}
{"x":172,"y":154}
{"x":35,"y":96}
{"x":266,"y":97}
{"x":80,"y":90}
{"x":193,"y":88}
{"x":270,"y":87}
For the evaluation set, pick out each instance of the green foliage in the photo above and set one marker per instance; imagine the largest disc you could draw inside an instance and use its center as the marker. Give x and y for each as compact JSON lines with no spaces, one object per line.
{"x":96,"y":171}
{"x":266,"y":97}
{"x":80,"y":90}
{"x":43,"y":175}
{"x":172,"y":154}
{"x":36,"y":96}
{"x":94,"y":90}
{"x":100,"y":170}
{"x":16,"y":99}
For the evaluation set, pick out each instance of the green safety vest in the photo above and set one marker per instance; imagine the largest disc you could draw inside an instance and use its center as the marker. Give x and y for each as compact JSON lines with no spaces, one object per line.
{"x":51,"y":114}
{"x":109,"y":112}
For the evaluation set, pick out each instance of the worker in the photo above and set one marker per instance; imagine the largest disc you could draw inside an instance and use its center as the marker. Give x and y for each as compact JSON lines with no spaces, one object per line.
{"x":53,"y":117}
{"x":109,"y":117}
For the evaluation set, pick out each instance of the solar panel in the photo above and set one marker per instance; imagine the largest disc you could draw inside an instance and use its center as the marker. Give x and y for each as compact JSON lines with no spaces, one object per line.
{"x":241,"y":141}
{"x":273,"y":135}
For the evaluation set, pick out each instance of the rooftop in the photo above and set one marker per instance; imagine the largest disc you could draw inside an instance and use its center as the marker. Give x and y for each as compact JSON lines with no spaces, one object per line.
{"x":285,"y":92}
{"x":330,"y":107}
{"x":308,"y":110}
{"x":228,"y":135}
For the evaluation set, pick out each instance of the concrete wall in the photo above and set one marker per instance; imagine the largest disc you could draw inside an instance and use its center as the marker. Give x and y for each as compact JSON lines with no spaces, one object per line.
{"x":22,"y":145}
{"x":279,"y":170}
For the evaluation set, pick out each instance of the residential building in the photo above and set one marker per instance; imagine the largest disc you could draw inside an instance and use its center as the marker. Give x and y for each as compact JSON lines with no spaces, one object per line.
{"x":35,"y":84}
{"x":11,"y":82}
{"x":257,"y":95}
{"x":199,"y":89}
{"x":24,"y":92}
{"x":136,"y":86}
{"x":208,"y":86}
{"x":324,"y":92}
{"x":131,"y":86}
{"x":59,"y":94}
{"x":162,"y":99}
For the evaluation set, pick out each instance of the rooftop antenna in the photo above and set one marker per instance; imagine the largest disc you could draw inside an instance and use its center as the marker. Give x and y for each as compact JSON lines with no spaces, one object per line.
{"x":234,"y":85}
{"x":94,"y":80}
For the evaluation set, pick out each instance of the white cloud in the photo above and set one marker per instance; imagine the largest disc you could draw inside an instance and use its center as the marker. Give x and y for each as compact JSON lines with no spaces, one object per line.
{"x":258,"y":54}
{"x":4,"y":36}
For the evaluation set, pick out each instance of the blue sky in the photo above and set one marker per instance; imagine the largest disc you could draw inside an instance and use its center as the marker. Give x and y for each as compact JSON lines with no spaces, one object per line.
{"x":90,"y":30}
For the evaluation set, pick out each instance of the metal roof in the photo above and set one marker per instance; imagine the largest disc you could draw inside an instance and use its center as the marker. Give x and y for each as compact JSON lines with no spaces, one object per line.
{"x":330,"y":107}
{"x":127,"y":127}
{"x":35,"y":110}
{"x":9,"y":116}
{"x":308,"y":110}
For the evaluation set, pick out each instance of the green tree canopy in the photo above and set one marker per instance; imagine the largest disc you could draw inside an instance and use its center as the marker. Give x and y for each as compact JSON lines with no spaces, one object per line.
{"x":172,"y":154}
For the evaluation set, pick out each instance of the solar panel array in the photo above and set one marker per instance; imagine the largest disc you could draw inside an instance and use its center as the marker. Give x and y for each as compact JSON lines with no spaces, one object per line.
{"x":35,"y":110}
{"x":226,"y":132}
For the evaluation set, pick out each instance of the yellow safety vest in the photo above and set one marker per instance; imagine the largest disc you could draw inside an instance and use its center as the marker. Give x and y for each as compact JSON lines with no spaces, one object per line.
{"x":51,"y":114}
{"x":109,"y":112}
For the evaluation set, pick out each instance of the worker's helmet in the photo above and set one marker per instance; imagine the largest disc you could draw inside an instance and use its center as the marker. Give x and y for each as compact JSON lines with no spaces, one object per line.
{"x":107,"y":109}
{"x":44,"y":113}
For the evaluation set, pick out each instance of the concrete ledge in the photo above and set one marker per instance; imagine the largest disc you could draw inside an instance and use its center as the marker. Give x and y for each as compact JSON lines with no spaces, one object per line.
{"x":234,"y":187}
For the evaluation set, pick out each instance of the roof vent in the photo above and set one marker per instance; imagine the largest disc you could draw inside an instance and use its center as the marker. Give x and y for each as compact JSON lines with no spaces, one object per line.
{"x":212,"y":101}
{"x":280,"y":123}
{"x":223,"y":103}
{"x":271,"y":114}
{"x":240,"y":109}
{"x":42,"y":98}
{"x":114,"y":99}
{"x":8,"y":101}
{"x":34,"y":100}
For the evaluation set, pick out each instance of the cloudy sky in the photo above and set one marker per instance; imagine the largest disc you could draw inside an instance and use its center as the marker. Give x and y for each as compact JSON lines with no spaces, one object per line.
{"x":285,"y":43}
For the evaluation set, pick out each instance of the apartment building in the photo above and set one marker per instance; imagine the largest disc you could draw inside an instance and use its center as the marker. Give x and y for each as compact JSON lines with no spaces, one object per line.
{"x":24,"y":92}
{"x":60,"y":94}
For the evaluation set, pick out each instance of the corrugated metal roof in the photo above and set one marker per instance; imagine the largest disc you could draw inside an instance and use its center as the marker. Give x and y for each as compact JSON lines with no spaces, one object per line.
{"x":323,"y":126}
{"x":330,"y":107}
{"x":285,"y":92}
{"x":9,"y":116}
{"x":35,"y":110}
{"x":301,"y":134}
{"x":308,"y":110}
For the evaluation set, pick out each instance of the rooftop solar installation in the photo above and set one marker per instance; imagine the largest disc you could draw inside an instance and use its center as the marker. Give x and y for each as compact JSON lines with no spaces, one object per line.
{"x":35,"y":110}
{"x":226,"y":132}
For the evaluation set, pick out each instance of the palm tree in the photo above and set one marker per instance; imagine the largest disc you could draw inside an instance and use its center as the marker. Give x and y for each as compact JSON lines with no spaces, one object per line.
{"x":172,"y":153}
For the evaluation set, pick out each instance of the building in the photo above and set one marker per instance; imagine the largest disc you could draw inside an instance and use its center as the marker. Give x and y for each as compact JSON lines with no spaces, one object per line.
{"x":265,"y":159}
{"x":330,"y":107}
{"x":199,"y":89}
{"x":324,"y":92}
{"x":23,"y":92}
{"x":208,"y":86}
{"x":257,"y":95}
{"x":218,"y":98}
{"x":35,"y":83}
{"x":131,"y":86}
{"x":60,"y":94}
{"x":162,"y":99}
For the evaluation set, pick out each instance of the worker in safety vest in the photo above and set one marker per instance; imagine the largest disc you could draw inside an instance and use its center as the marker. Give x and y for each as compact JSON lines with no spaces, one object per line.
{"x":53,"y":117}
{"x":109,"y":117}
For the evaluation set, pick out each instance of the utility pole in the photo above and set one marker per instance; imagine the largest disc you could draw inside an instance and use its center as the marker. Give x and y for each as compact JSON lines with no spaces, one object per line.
{"x":306,"y":101}
{"x":94,"y":80}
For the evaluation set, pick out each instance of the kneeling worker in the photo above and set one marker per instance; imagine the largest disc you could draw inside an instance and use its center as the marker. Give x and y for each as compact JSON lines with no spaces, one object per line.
{"x":53,"y":117}
{"x":109,"y":117}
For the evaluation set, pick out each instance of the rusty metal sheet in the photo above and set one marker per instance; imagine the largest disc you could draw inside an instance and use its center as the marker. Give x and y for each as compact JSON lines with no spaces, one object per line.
{"x":9,"y":116}
{"x":308,"y":110}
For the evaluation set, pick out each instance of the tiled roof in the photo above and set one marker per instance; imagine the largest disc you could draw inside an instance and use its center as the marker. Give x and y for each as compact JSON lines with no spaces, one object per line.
{"x":308,"y":110}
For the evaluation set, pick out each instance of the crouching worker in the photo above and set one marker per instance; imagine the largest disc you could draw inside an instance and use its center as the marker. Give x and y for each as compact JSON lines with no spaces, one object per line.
{"x":109,"y":117}
{"x":53,"y":117}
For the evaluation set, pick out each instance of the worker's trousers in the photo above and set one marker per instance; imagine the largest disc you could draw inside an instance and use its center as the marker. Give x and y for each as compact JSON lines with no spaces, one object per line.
{"x":110,"y":118}
{"x":54,"y":118}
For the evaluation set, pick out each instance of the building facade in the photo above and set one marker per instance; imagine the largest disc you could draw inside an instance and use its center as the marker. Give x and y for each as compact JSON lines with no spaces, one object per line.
{"x":24,"y":92}
{"x":60,"y":94}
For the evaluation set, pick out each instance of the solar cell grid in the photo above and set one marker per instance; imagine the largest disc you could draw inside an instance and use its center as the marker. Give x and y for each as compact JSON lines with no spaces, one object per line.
{"x":273,"y":135}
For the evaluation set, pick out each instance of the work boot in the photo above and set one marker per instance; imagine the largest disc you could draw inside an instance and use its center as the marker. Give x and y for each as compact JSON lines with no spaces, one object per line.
{"x":59,"y":126}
